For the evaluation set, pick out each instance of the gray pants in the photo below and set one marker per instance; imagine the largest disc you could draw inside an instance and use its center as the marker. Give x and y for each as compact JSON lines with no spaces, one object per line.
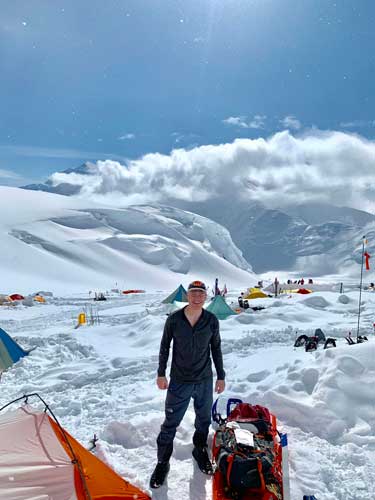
{"x":176,"y":404}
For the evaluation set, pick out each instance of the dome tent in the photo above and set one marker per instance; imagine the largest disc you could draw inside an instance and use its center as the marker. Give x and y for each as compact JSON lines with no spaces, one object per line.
{"x":39,"y":459}
{"x":178,"y":295}
{"x":220,"y":308}
{"x":256,"y":294}
{"x":10,"y":351}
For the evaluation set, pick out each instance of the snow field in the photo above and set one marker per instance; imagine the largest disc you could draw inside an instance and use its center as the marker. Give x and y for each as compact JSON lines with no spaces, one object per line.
{"x":101,"y":380}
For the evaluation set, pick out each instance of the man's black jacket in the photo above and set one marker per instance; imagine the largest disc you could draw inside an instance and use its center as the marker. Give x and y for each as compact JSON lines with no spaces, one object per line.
{"x":191,"y":362}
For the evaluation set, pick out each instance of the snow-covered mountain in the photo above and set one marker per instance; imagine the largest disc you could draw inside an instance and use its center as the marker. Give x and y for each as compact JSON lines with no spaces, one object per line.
{"x":64,"y":188}
{"x":295,"y":237}
{"x":75,"y":243}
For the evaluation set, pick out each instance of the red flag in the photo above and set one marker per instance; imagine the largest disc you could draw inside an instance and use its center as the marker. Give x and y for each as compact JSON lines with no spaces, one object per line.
{"x":367,"y":257}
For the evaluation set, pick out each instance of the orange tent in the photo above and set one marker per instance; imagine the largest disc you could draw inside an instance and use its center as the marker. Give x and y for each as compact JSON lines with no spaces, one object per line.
{"x":39,"y":298}
{"x":38,"y":458}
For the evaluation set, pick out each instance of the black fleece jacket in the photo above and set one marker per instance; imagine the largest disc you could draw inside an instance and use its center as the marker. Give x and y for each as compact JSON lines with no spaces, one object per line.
{"x":191,"y":361}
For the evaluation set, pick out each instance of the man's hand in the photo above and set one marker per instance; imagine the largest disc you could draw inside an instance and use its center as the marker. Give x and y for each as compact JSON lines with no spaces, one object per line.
{"x":162,"y":383}
{"x":219,"y":386}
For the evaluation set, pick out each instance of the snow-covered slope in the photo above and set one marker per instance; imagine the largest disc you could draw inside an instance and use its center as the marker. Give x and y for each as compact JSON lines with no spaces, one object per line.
{"x":50,"y":239}
{"x":320,"y":213}
{"x":101,"y":380}
{"x":271,"y":237}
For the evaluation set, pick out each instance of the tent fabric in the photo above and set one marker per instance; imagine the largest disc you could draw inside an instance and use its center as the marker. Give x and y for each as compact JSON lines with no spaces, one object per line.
{"x":16,"y":296}
{"x":33,"y":464}
{"x":303,"y":291}
{"x":36,"y":462}
{"x":39,"y":298}
{"x":10,"y":351}
{"x":256,"y":295}
{"x":178,"y":295}
{"x":220,"y":308}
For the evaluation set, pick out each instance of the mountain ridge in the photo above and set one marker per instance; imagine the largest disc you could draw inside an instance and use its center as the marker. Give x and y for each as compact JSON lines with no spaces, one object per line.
{"x":86,"y":244}
{"x":270,"y":238}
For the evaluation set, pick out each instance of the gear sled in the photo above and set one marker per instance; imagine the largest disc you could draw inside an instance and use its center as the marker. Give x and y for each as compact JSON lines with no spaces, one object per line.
{"x":250,"y":455}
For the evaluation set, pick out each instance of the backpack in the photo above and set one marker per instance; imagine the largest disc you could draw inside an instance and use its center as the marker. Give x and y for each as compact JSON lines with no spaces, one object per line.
{"x":247,"y":451}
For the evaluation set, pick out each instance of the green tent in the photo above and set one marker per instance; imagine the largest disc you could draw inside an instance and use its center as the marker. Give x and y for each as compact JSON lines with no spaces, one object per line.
{"x":179,"y":295}
{"x":220,"y":308}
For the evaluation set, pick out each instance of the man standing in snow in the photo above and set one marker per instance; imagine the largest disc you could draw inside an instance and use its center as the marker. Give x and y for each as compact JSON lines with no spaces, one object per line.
{"x":195,"y":335}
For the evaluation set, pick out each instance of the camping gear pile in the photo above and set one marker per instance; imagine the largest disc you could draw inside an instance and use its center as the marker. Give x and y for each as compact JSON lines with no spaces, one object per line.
{"x":251,"y":294}
{"x":99,"y":297}
{"x":359,"y":340}
{"x":244,"y":304}
{"x":248,"y":452}
{"x":311,"y":343}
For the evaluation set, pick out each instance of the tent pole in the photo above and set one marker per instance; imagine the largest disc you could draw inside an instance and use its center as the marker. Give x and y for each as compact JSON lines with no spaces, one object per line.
{"x":360,"y":286}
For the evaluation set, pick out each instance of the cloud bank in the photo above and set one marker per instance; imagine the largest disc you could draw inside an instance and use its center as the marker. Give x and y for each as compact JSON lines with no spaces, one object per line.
{"x":332,"y":167}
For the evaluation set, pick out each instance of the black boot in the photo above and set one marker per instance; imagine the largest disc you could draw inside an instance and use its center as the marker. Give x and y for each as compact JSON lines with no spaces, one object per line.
{"x":204,"y":463}
{"x":160,"y":473}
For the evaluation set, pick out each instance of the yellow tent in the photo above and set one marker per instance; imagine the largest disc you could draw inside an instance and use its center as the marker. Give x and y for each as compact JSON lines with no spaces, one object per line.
{"x":39,"y":298}
{"x":256,"y":294}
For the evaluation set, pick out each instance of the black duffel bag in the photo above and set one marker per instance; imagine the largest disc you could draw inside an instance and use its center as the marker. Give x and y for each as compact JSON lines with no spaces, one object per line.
{"x":241,"y":471}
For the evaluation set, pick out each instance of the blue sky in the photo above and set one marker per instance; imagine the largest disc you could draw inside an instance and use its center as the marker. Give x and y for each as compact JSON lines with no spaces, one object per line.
{"x":88,"y":79}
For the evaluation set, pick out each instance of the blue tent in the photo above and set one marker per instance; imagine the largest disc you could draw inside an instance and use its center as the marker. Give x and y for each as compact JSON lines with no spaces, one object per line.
{"x":10,"y":351}
{"x":179,"y":295}
{"x":220,"y":308}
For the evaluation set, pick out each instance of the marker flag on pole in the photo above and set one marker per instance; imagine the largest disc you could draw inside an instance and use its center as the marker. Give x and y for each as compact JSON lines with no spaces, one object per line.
{"x":367,"y":262}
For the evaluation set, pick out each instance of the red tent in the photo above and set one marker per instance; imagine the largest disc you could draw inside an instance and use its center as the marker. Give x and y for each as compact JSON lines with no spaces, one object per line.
{"x":304,"y":290}
{"x":16,"y":296}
